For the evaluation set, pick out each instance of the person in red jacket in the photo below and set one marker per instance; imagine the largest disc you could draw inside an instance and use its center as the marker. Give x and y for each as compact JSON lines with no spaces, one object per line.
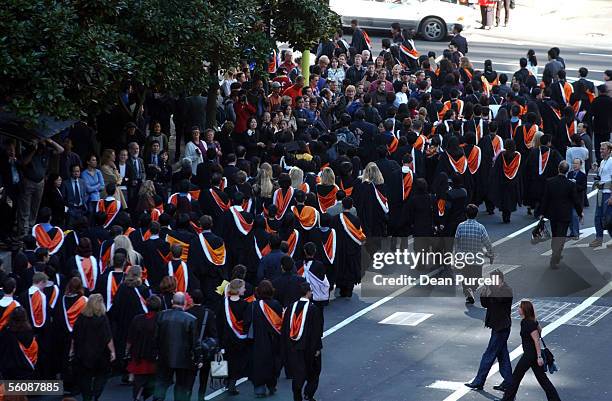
{"x":244,"y":110}
{"x":295,"y":90}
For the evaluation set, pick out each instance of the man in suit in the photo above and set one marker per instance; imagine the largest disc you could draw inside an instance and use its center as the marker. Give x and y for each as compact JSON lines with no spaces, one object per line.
{"x":152,"y":159}
{"x":139,"y":174}
{"x":560,"y":197}
{"x":230,"y":170}
{"x":74,"y":192}
{"x":459,"y":41}
{"x":579,"y":177}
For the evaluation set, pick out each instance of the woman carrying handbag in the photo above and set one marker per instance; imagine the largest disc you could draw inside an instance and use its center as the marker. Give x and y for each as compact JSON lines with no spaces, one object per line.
{"x":532,"y":356}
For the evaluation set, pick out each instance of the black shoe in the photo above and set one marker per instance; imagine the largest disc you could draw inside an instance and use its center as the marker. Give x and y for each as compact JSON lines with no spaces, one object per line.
{"x":554,"y":264}
{"x":473,"y":386}
{"x":500,"y":387}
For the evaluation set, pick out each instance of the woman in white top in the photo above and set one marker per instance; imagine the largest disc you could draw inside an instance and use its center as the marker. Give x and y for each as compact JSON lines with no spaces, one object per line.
{"x":194,"y":150}
{"x":401,"y":96}
{"x":532,"y":62}
{"x":336,"y":71}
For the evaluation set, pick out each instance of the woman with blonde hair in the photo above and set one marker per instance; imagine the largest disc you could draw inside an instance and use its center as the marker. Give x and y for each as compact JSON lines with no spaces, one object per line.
{"x":326,"y":189}
{"x":146,"y":197}
{"x":123,"y":242}
{"x":531,"y":333}
{"x":234,"y":334}
{"x":93,"y":348}
{"x":297,"y":178}
{"x":110,"y":173}
{"x":264,"y":187}
{"x":371,"y":201}
{"x":466,"y":70}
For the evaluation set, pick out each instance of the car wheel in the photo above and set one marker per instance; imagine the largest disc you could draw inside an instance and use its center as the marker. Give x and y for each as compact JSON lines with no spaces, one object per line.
{"x":433,"y":29}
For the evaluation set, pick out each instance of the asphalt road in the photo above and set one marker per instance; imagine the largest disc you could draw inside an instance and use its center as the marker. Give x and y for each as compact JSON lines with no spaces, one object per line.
{"x":366,"y":360}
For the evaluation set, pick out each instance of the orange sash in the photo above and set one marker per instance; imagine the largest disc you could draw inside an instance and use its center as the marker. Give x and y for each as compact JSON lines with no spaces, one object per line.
{"x":412,"y":53}
{"x":88,"y":270}
{"x":269,"y":228}
{"x":38,"y":307}
{"x":272,"y":317}
{"x":406,"y":185}
{"x":498,"y":145}
{"x":304,"y":187}
{"x":263,"y":251}
{"x":235,"y":324}
{"x":356,"y":234}
{"x":30,"y":353}
{"x":543,"y":160}
{"x":53,"y":297}
{"x":329,"y":247}
{"x":327,"y":201}
{"x":224,"y":206}
{"x":195,"y":194}
{"x":392,"y":147}
{"x":441,"y":207}
{"x":571,"y":130}
{"x":348,"y":191}
{"x":105,"y":258}
{"x":308,"y":217}
{"x":128,"y":231}
{"x":71,"y":315}
{"x":419,"y":144}
{"x":382,"y":199}
{"x":243,"y":226}
{"x":43,"y":240}
{"x":111,"y":289}
{"x":282,"y":201}
{"x":214,"y":256}
{"x":468,"y":73}
{"x":7,"y":313}
{"x":181,"y":274}
{"x":297,"y":321}
{"x":155,"y":213}
{"x":292,"y":241}
{"x":111,"y":210}
{"x":173,"y":241}
{"x":510,"y":170}
{"x":529,"y":135}
{"x":458,"y":165}
{"x":195,"y":227}
{"x":474,"y":159}
{"x":250,"y":298}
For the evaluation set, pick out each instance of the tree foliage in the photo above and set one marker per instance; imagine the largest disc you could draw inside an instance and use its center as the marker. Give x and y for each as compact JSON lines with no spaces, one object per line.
{"x":68,"y":58}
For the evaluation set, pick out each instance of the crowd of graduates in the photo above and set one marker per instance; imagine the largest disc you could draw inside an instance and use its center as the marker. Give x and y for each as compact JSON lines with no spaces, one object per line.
{"x":262,"y":220}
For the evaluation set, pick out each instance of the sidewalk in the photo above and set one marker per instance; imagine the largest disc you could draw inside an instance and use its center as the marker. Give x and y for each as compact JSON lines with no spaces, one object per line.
{"x":578,"y":23}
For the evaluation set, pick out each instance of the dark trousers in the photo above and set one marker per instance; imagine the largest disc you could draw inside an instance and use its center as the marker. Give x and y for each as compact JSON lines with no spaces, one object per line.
{"x":204,"y":372}
{"x":144,"y":386}
{"x":182,"y":385}
{"x":523,"y":365}
{"x":506,"y":216}
{"x":487,"y":15}
{"x":506,"y":5}
{"x":91,"y":383}
{"x":558,"y":230}
{"x":311,"y":379}
{"x":497,"y":349}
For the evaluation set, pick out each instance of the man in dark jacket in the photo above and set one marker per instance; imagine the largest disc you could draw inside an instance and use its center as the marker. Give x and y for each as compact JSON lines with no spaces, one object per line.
{"x":176,"y":340}
{"x":270,"y":265}
{"x":459,"y":41}
{"x":497,"y":299}
{"x":287,"y":285}
{"x":560,"y":197}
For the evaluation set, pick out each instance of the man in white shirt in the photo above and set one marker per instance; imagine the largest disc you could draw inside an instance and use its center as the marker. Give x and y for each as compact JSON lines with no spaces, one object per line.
{"x":604,"y":199}
{"x":577,"y":151}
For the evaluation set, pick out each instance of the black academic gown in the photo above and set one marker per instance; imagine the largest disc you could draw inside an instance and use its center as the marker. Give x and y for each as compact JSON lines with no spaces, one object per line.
{"x":155,"y":258}
{"x":533,"y":181}
{"x":13,"y":362}
{"x":126,"y":305}
{"x":237,"y":242}
{"x":299,"y":356}
{"x":504,"y":192}
{"x":214,"y":207}
{"x":348,"y":253}
{"x":372,"y":210}
{"x":444,"y":165}
{"x":209,"y":271}
{"x":266,"y":345}
{"x":237,"y":350}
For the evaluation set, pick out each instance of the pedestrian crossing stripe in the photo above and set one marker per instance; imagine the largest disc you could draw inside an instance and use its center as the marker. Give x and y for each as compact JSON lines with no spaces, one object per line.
{"x":549,"y":311}
{"x":406,"y":318}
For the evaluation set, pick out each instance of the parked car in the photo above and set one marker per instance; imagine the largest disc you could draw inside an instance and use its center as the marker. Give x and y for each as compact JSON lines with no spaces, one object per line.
{"x":432,"y":19}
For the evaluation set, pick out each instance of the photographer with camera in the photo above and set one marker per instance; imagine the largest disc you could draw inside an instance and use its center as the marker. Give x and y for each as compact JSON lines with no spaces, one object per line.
{"x":603,"y":184}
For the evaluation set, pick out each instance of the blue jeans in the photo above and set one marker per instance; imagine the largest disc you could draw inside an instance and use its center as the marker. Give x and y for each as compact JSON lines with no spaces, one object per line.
{"x":575,"y":224}
{"x":497,"y":349}
{"x":602,"y":209}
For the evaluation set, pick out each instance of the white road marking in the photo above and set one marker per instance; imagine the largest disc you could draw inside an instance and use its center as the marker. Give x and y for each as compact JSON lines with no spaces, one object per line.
{"x":406,"y":318}
{"x":596,"y":54}
{"x":518,"y":351}
{"x":446,"y":385}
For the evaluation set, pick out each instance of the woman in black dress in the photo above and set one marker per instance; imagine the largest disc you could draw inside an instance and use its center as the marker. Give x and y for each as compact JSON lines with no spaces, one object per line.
{"x":532,"y":355}
{"x":93,"y":348}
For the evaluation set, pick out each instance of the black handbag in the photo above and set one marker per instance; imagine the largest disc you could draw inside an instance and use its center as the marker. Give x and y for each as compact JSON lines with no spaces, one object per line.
{"x":209,"y":345}
{"x":540,"y":233}
{"x":548,"y":357}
